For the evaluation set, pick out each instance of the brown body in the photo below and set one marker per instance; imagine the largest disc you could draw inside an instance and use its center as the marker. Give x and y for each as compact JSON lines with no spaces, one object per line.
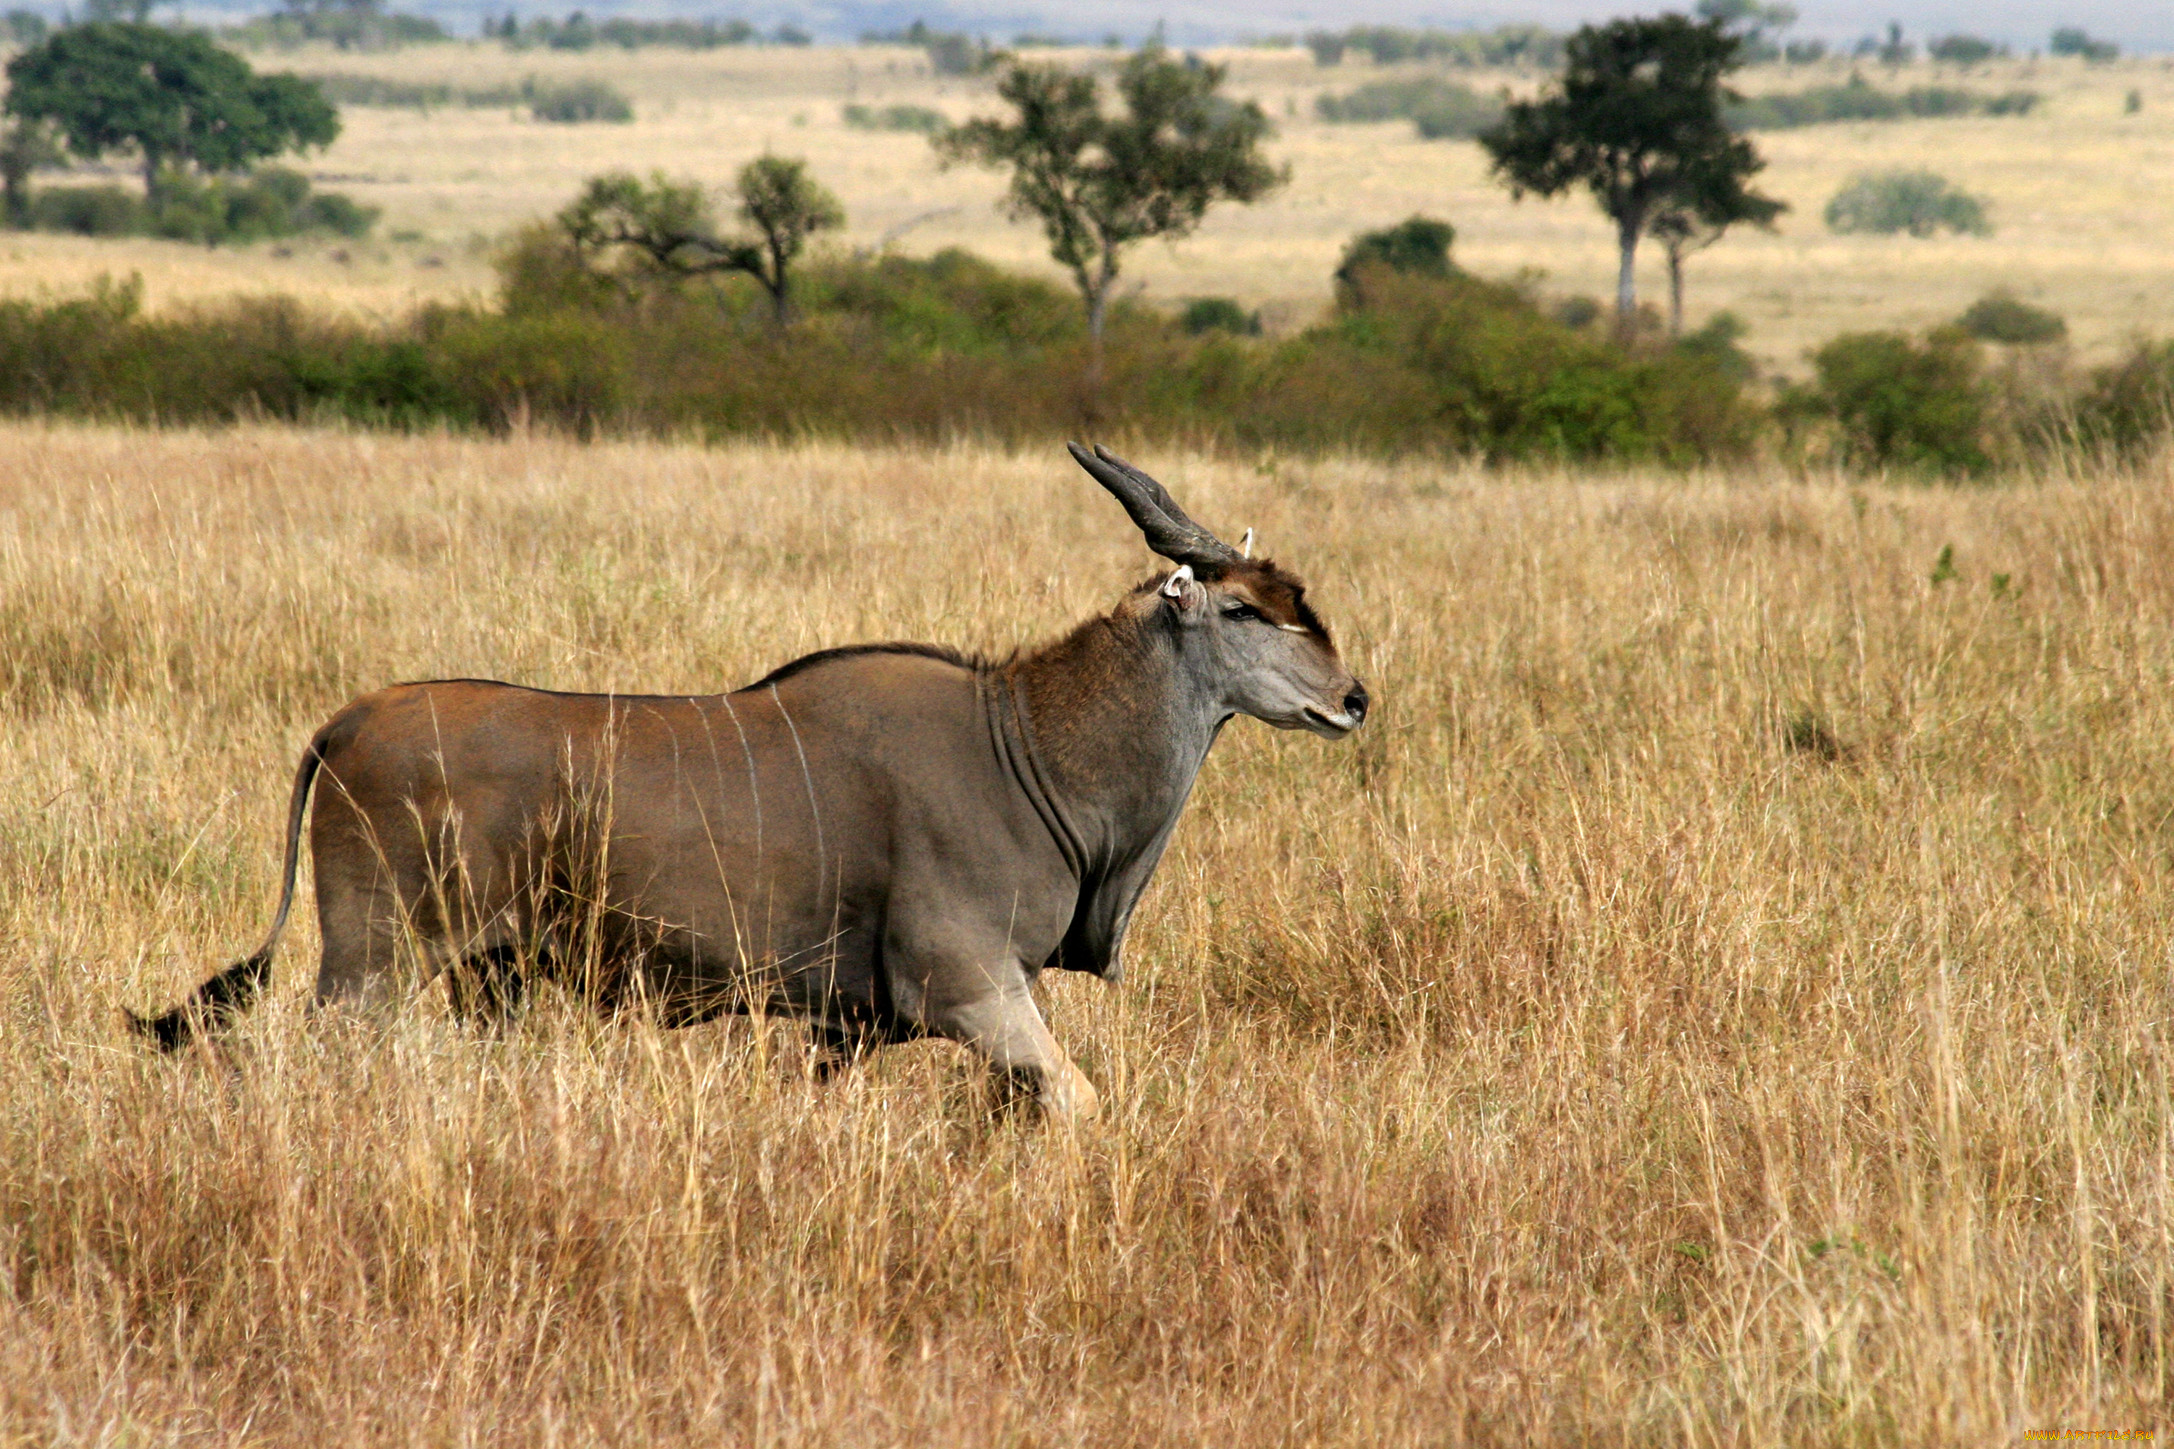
{"x":887,"y":842}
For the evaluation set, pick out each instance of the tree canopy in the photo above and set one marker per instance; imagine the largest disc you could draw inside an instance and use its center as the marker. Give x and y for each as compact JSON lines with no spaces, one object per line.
{"x":1637,"y":121}
{"x":1098,"y":182}
{"x":669,"y":224}
{"x":175,"y":97}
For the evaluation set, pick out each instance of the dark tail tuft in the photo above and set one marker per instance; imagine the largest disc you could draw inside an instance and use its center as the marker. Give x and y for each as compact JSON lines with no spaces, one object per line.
{"x":211,"y":1006}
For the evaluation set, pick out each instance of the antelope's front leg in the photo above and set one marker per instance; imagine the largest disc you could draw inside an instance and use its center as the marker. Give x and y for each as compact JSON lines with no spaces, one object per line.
{"x":1007,"y":1029}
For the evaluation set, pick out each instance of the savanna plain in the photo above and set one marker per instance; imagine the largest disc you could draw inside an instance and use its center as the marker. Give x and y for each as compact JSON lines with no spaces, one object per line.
{"x":1721,"y":997}
{"x":2075,"y":190}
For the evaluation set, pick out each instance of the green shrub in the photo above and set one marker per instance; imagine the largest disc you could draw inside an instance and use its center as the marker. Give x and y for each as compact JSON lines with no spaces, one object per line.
{"x":272,"y":201}
{"x":1417,"y":245}
{"x":371,"y":90}
{"x":339,"y":214}
{"x":886,"y":348}
{"x":2069,"y":40}
{"x":1715,"y":343}
{"x":87,"y":210}
{"x":1884,"y":203}
{"x":345,"y":26}
{"x":1860,"y":101}
{"x":572,"y":102}
{"x":1441,"y":109}
{"x":1514,"y":44}
{"x":1454,"y":364}
{"x":578,"y":32}
{"x":918,"y":119}
{"x":24,"y":28}
{"x":2127,"y":410}
{"x":2001,"y":317}
{"x":1218,"y":314}
{"x":1960,"y":49}
{"x":1897,"y":402}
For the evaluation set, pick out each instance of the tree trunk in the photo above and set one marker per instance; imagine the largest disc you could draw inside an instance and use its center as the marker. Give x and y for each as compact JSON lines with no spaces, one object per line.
{"x":1675,"y":291}
{"x":1097,"y":293}
{"x":1626,"y":279}
{"x":780,"y":293}
{"x":151,"y":180}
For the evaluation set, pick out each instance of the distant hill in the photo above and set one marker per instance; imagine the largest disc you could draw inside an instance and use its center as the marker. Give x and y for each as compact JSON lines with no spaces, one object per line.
{"x":2024,"y":25}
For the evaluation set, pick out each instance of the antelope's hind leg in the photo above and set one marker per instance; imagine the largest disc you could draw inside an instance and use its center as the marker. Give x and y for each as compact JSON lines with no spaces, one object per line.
{"x":487,"y":988}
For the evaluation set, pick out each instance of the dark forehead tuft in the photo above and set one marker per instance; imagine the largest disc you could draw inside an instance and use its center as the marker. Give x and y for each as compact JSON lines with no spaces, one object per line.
{"x":1281,"y":593}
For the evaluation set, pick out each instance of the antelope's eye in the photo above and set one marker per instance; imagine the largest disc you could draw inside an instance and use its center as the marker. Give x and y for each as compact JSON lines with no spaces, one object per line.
{"x":1236,"y":610}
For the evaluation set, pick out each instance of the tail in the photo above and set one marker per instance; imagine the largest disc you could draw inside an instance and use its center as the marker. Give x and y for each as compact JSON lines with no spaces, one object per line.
{"x":233,"y":991}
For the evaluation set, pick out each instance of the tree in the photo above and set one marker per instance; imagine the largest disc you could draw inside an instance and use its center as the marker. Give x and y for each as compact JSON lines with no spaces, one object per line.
{"x":24,"y":147}
{"x":1699,"y":213}
{"x":174,"y":96}
{"x":1099,"y":183}
{"x":669,"y":225}
{"x":787,"y":206}
{"x":1636,"y":120}
{"x":1755,"y":23}
{"x":1921,"y":203}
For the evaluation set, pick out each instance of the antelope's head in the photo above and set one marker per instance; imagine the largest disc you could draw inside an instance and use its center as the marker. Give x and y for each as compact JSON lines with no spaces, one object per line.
{"x":1243,"y":625}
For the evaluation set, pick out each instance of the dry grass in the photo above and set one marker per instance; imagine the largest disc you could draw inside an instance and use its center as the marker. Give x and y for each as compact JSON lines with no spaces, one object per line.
{"x":1567,"y":1059}
{"x":2075,"y":192}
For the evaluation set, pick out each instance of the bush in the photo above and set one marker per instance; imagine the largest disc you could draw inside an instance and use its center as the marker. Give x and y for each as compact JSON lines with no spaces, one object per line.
{"x":578,"y":32}
{"x":345,"y":26}
{"x":1716,"y":343}
{"x":1417,"y":245}
{"x":1895,"y":402}
{"x":1441,"y":109}
{"x":87,"y":210}
{"x":1218,"y":314}
{"x":1921,"y":203}
{"x":1964,"y":49}
{"x":1860,"y":101}
{"x":2070,"y":40}
{"x":1388,"y":44}
{"x":24,"y":28}
{"x":369,"y":90}
{"x":889,"y":348}
{"x":2000,"y":317}
{"x":272,"y":201}
{"x":2128,"y":408}
{"x":572,"y":102}
{"x":1454,"y":364}
{"x":919,"y":119}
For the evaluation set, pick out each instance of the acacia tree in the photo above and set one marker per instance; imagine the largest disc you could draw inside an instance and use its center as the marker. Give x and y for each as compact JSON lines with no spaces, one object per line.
{"x":173,"y":96}
{"x":669,"y":224}
{"x":1099,"y":182}
{"x":785,"y":206}
{"x":1636,"y":120}
{"x":1695,"y":216}
{"x":24,"y":147}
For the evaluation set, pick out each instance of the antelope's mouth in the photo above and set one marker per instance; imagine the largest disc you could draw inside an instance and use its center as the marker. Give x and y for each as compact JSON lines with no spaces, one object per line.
{"x":1333,"y":726}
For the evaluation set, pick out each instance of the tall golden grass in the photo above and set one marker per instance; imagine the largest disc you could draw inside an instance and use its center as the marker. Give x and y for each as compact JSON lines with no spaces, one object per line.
{"x":1721,"y":998}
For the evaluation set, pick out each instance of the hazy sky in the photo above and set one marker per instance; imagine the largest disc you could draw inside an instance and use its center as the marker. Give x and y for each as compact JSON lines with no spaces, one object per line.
{"x":2023,"y":24}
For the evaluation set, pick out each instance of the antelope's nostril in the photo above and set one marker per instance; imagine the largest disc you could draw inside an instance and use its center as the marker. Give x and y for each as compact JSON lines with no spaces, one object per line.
{"x":1355,"y":702}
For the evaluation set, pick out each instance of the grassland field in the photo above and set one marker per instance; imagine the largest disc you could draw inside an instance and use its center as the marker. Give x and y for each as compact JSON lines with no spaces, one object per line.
{"x":1720,"y":998}
{"x":2076,"y":190}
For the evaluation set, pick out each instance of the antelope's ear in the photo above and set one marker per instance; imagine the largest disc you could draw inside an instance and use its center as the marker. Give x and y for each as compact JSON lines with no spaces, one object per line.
{"x":1186,"y":594}
{"x":1245,"y":545}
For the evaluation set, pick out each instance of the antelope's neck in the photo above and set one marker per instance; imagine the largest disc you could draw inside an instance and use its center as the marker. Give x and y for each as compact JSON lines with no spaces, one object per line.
{"x":1115,"y":733}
